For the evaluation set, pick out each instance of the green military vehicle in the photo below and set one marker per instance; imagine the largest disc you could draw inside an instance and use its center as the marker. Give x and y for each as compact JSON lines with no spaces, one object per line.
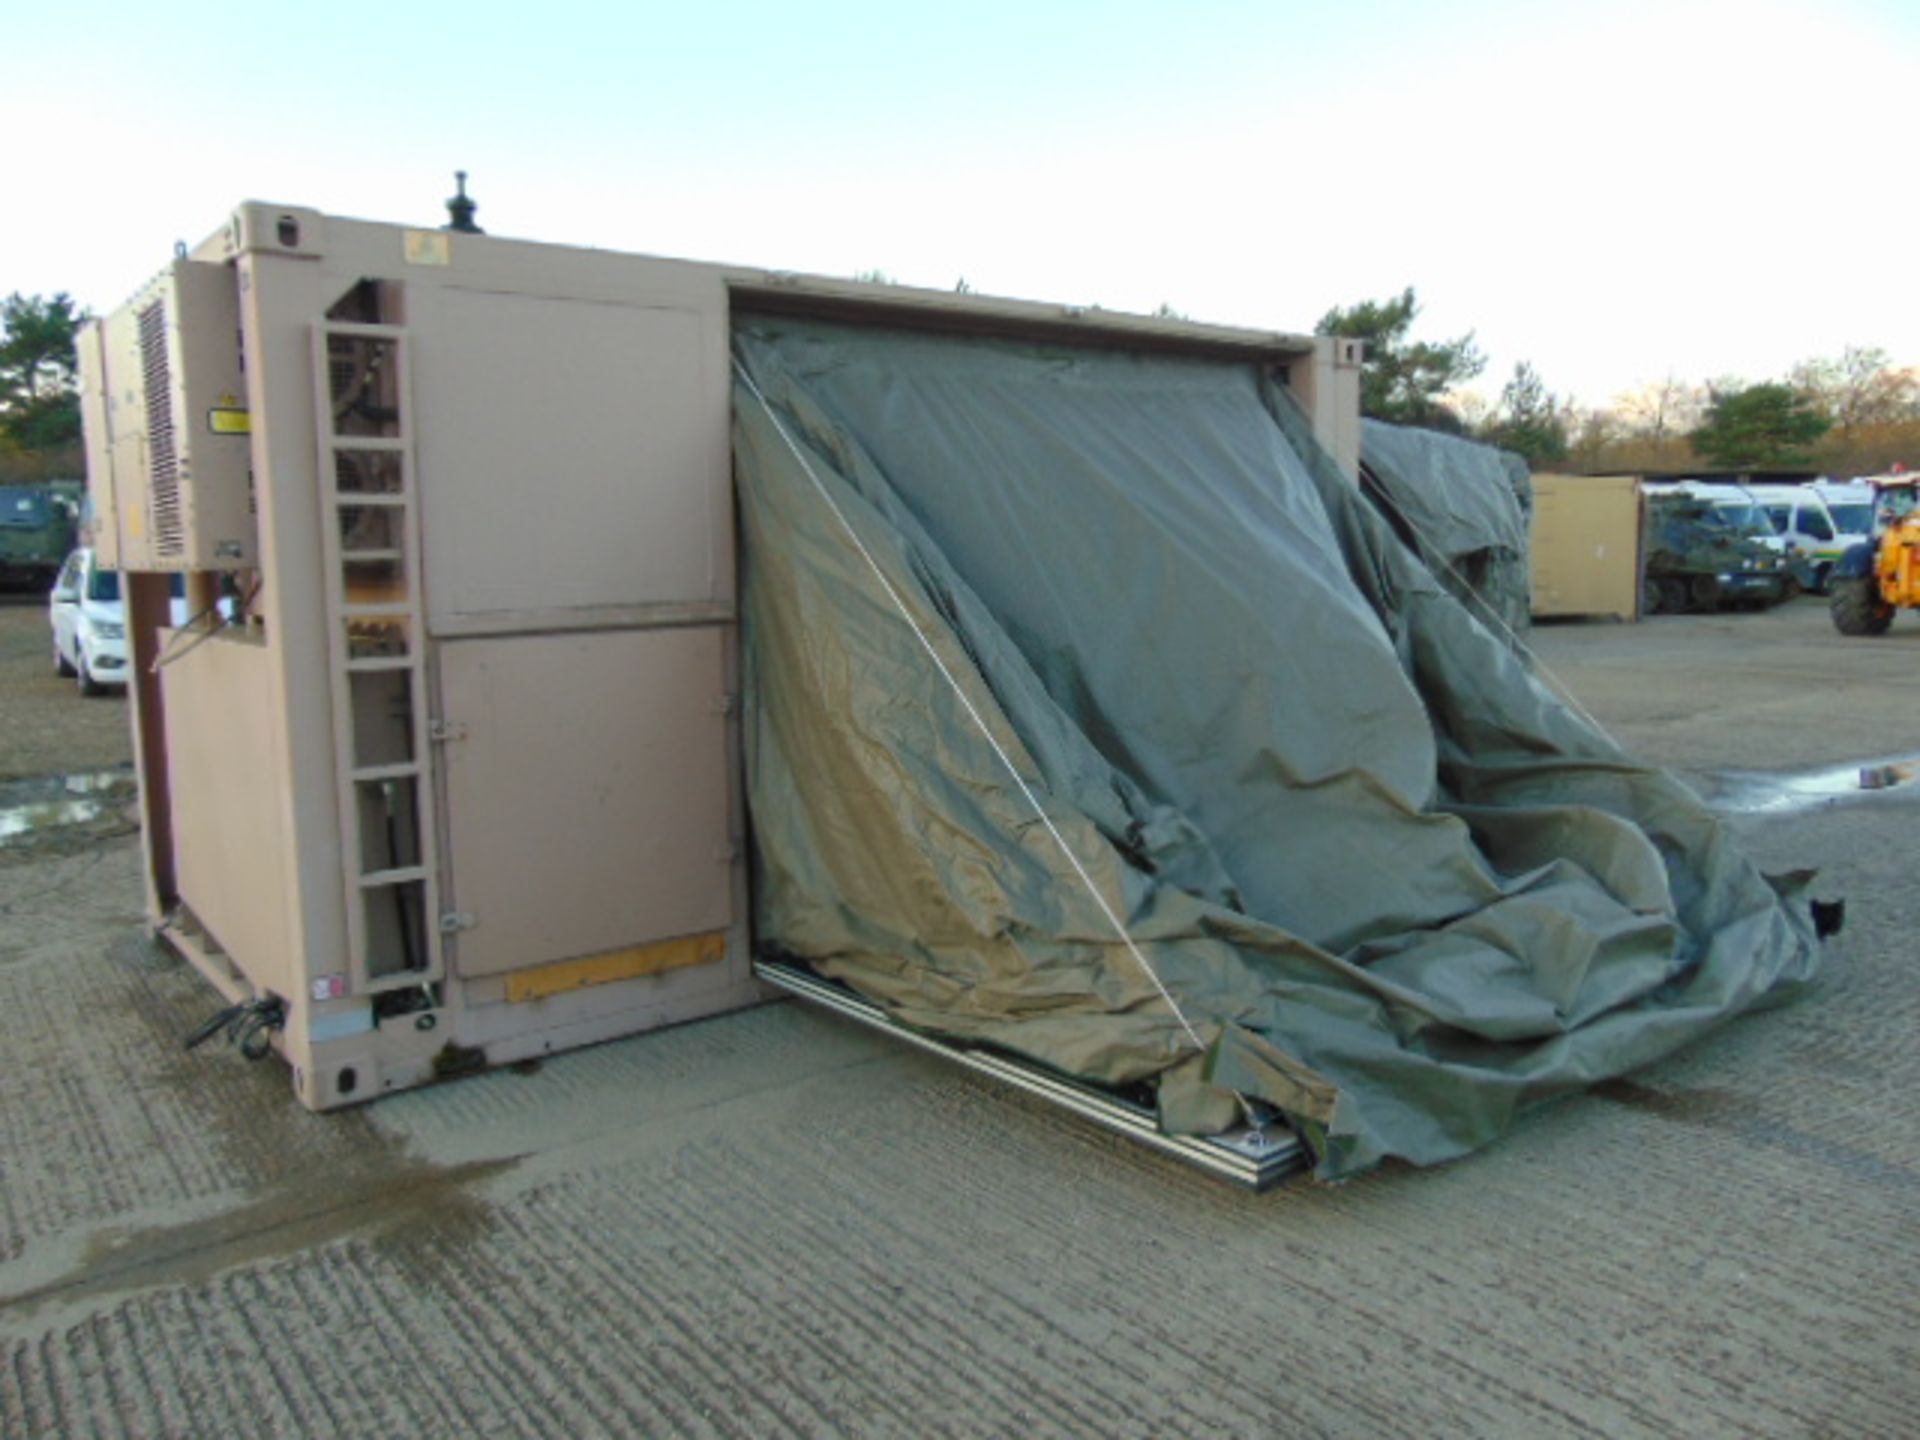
{"x":1696,"y":559}
{"x":39,"y":527}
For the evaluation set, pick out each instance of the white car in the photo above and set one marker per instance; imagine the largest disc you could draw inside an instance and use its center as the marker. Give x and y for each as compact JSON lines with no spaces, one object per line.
{"x":90,"y":622}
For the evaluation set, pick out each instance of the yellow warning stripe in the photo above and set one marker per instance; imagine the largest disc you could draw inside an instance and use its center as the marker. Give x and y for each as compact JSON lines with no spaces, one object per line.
{"x":629,"y":964}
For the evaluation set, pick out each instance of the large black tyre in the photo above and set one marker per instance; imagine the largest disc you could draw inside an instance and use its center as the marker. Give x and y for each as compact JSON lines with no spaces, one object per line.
{"x":1673,"y":594}
{"x":1704,"y":592}
{"x":60,"y":665}
{"x":1650,"y":597}
{"x":1856,"y":606}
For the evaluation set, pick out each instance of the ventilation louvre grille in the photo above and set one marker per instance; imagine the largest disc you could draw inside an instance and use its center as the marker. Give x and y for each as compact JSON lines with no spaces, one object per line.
{"x":163,"y":457}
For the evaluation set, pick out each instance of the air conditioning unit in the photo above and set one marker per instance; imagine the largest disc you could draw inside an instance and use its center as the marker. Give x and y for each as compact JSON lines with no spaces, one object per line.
{"x":168,"y":443}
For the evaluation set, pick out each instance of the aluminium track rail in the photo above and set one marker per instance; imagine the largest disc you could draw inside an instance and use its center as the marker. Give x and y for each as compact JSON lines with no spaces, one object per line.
{"x":1257,"y":1159}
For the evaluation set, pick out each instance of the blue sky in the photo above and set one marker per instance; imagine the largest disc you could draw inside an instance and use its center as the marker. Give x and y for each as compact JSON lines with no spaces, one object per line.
{"x":1613,"y":191}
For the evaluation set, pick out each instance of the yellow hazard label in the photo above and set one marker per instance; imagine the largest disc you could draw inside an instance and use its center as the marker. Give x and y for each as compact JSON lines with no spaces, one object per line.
{"x":428,"y":247}
{"x":229,"y":420}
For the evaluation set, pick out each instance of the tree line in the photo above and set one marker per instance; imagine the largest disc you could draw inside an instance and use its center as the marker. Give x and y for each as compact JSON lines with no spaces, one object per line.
{"x":1856,"y":414}
{"x":39,"y":403}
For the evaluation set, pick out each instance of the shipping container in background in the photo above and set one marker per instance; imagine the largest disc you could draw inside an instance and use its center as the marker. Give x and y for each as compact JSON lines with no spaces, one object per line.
{"x":1586,"y":546}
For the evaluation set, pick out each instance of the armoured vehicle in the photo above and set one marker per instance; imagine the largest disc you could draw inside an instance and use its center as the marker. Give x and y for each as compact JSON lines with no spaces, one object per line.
{"x":37,"y":528}
{"x":1698,"y":559}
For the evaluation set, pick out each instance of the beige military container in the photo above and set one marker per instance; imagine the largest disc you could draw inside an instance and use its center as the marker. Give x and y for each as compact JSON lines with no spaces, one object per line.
{"x":448,"y":766}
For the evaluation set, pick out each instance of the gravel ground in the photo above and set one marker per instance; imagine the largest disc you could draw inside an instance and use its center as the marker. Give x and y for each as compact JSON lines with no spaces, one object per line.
{"x":771,"y":1224}
{"x":66,"y":767}
{"x":48,"y":728}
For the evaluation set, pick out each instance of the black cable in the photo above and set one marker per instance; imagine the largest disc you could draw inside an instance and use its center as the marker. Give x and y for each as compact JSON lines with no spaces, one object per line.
{"x":175,"y":650}
{"x":249,"y":1026}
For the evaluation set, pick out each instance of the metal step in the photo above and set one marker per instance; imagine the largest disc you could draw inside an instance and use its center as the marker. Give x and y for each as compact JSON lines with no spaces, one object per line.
{"x":1257,"y":1159}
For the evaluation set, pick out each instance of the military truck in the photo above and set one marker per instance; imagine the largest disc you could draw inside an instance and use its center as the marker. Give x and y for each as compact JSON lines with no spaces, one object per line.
{"x":1697,"y":559}
{"x":38,"y":528}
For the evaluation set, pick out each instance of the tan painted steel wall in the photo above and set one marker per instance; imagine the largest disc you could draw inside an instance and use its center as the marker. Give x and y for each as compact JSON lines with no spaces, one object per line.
{"x":226,"y":769}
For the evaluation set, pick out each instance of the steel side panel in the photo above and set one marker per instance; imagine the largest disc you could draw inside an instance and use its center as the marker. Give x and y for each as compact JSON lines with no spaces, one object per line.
{"x":587,"y":800}
{"x":97,"y":435}
{"x":225,"y":775}
{"x":220,"y":528}
{"x":281,"y":300}
{"x":571,"y":454}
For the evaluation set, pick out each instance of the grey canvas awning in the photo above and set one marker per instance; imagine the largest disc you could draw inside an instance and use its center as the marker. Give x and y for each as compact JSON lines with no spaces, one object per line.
{"x":1092,"y":716}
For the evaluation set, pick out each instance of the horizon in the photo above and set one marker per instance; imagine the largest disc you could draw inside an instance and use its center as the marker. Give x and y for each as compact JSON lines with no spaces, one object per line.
{"x":1250,"y":169}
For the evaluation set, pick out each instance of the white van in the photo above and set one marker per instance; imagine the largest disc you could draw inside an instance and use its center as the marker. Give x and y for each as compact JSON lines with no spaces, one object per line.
{"x":1816,"y":531}
{"x":1850,"y":503}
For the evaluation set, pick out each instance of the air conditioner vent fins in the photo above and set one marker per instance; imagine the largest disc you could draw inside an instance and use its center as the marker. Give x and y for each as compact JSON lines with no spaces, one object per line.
{"x":163,"y":458}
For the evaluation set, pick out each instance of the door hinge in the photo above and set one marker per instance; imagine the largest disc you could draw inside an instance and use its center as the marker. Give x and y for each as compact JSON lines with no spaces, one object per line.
{"x":455,"y":921}
{"x":726,"y":704}
{"x":443,"y":731}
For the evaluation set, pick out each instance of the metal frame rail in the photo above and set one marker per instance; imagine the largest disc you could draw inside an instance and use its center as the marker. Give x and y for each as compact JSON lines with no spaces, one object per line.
{"x":1257,"y":1159}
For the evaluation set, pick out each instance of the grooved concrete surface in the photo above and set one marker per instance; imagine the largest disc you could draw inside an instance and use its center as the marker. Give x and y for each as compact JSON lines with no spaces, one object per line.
{"x":769,"y":1224}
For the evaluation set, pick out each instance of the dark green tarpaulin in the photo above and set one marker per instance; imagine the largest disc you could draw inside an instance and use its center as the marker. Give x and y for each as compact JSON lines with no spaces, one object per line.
{"x":1464,"y":507}
{"x":1397,"y":887}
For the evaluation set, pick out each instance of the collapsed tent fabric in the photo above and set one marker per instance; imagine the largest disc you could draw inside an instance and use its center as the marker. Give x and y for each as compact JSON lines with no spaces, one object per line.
{"x":1395,"y":888}
{"x":1464,"y":507}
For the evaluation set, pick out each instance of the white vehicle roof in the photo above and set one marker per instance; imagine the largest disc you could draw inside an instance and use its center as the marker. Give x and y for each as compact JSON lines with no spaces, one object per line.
{"x":1777,"y":492}
{"x":1723,"y":495}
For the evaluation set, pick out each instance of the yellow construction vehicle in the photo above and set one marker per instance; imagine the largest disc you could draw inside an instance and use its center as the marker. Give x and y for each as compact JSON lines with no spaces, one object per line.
{"x":1881,"y":575}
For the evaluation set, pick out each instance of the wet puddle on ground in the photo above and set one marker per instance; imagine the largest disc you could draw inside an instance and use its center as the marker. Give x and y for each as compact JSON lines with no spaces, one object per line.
{"x":394,"y":1205}
{"x":1787,"y":792}
{"x":30,"y":809}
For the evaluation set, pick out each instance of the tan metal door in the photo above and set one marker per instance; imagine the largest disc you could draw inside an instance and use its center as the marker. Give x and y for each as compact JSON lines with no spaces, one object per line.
{"x":573,"y":454}
{"x":586,"y":792}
